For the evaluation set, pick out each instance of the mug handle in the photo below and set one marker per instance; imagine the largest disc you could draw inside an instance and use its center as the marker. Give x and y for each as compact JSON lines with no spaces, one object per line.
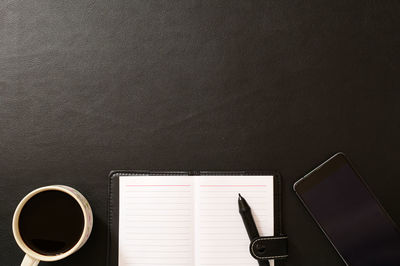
{"x":29,"y":261}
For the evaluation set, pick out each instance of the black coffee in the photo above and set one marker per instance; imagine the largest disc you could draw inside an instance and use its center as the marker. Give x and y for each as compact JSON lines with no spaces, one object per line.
{"x":51,"y":222}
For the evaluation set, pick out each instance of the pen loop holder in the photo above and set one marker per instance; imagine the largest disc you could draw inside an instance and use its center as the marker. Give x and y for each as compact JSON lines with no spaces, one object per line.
{"x":269,"y":248}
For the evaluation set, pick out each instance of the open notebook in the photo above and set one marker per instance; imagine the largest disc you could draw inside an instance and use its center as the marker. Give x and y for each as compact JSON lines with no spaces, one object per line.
{"x":186,"y":220}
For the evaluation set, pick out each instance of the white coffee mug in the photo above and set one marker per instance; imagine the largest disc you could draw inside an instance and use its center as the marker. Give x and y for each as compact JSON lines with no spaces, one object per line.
{"x":33,"y":258}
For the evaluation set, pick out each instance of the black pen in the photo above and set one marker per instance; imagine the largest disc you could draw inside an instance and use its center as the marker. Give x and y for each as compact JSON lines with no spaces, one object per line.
{"x":251,"y":228}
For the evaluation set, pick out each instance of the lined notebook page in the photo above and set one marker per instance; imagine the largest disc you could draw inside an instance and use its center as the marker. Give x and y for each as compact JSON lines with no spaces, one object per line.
{"x":156,"y":221}
{"x":221,"y":237}
{"x":190,"y":220}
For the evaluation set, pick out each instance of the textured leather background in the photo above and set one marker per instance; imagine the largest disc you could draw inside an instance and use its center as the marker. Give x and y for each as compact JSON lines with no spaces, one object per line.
{"x":90,"y":86}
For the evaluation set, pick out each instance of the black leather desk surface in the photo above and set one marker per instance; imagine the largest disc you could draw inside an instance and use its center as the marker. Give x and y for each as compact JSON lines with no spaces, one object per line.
{"x":90,"y":86}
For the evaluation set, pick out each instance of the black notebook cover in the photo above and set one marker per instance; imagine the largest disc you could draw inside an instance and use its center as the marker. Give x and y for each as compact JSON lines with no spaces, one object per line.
{"x":113,"y":203}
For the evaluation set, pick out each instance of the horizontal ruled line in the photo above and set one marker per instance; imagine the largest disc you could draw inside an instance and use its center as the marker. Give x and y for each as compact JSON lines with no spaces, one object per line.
{"x":151,"y":197}
{"x":160,"y":191}
{"x":164,"y":221}
{"x":155,"y":245}
{"x":158,"y":185}
{"x":232,"y":185}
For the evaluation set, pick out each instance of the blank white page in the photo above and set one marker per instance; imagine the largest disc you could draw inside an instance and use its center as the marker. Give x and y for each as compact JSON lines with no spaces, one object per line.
{"x":156,"y":221}
{"x":221,"y":237}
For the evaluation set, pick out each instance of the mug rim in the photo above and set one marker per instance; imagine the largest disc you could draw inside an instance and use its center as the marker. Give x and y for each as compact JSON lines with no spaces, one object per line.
{"x":26,"y":248}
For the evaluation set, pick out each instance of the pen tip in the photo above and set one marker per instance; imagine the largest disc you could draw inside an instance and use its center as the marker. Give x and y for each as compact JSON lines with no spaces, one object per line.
{"x":240,"y":196}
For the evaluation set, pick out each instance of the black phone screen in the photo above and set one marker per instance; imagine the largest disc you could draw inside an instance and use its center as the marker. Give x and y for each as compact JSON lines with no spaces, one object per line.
{"x":350,"y":216}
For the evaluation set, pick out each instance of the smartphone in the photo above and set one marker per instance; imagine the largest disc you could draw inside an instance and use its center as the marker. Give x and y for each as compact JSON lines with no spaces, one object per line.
{"x":349,"y":214}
